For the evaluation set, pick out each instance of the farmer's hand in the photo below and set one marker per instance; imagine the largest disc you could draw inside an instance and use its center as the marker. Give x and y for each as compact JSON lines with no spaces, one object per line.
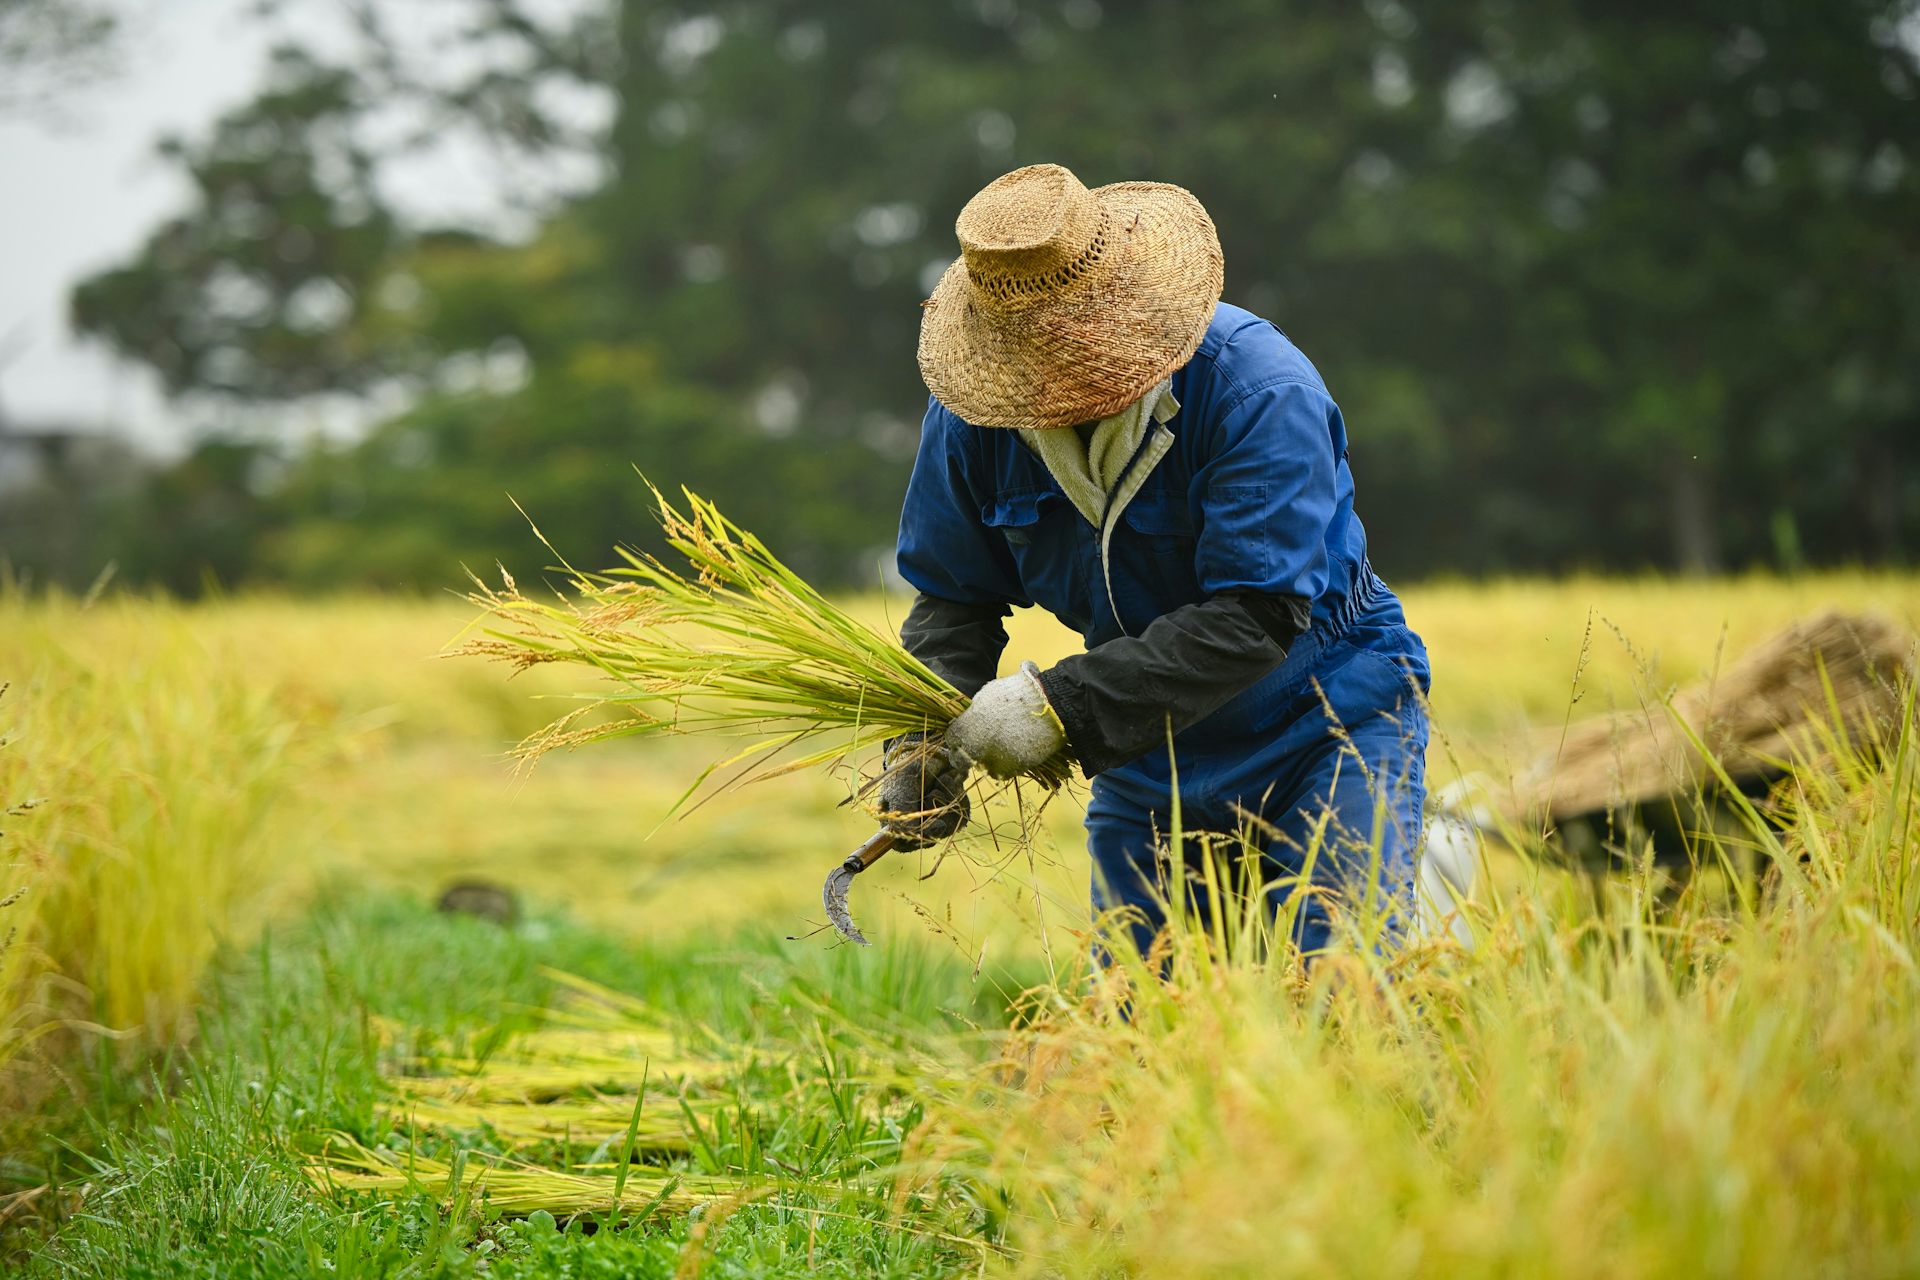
{"x":923,"y":793}
{"x":1009,"y":729}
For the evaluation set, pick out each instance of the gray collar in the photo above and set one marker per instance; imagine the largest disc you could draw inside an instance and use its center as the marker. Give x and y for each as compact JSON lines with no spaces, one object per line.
{"x":1101,"y":475}
{"x":1090,"y":470}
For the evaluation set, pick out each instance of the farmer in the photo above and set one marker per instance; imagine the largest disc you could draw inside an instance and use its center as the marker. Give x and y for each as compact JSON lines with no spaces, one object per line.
{"x":1167,"y":475}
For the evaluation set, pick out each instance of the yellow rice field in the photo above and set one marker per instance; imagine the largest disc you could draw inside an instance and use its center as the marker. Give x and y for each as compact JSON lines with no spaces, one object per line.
{"x":403,"y":777}
{"x":1617,"y":1087}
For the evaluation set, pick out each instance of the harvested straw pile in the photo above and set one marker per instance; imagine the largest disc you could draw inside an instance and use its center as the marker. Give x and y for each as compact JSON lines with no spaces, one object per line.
{"x":738,"y":645}
{"x":1829,"y":680}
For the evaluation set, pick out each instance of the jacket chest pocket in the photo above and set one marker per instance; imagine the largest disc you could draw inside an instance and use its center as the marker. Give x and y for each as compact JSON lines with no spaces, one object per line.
{"x":1016,"y":516}
{"x":1051,"y":547}
{"x":1157,"y":546}
{"x":1160,"y":513}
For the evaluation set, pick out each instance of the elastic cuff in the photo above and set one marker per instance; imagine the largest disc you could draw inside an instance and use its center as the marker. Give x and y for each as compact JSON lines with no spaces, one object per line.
{"x":1068,"y":700}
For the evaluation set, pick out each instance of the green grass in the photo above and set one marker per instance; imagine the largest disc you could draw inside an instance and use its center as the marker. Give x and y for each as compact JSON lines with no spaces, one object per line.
{"x":196,"y":1168}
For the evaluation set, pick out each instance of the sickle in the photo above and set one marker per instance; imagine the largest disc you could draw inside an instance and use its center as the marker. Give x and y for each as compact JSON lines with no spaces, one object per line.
{"x":833,"y":895}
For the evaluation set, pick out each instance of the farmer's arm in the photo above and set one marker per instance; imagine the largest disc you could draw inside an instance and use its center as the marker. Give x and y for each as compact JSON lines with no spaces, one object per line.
{"x":966,"y":580}
{"x":967,"y":584}
{"x":1261,"y":557}
{"x":962,"y":643}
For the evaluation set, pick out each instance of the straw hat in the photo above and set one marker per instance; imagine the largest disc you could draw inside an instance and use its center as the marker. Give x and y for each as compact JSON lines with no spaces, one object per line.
{"x":1065,"y":304}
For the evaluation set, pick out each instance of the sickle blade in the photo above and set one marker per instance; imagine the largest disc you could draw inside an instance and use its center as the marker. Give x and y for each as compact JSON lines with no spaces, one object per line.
{"x":833,"y":896}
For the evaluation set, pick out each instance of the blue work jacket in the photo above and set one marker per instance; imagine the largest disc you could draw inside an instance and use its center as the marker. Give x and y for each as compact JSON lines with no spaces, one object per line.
{"x":1254,"y":493}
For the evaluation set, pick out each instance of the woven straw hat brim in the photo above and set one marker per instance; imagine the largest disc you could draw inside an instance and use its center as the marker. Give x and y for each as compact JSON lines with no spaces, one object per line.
{"x":1100,"y":342}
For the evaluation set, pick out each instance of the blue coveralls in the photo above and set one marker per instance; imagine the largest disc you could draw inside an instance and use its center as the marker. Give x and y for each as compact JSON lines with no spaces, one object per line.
{"x":1255,"y":493}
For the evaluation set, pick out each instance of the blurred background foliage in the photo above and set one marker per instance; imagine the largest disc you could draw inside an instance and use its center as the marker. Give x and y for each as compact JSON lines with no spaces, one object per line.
{"x":1599,"y":286}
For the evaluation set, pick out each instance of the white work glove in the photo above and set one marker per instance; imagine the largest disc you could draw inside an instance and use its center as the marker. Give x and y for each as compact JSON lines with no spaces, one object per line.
{"x":1009,"y":728}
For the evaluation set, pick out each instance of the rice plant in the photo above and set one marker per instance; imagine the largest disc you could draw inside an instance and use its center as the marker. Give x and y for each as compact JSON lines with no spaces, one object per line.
{"x":19,"y":1020}
{"x":1629,"y":1084}
{"x":167,"y":775}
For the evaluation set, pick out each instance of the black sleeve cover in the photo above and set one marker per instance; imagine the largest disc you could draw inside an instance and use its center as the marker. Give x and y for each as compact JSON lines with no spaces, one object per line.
{"x":960,"y":642}
{"x":1115,"y":701}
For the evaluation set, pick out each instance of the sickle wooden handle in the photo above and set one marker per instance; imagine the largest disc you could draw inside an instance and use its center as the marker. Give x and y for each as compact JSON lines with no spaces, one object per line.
{"x":876,"y":846}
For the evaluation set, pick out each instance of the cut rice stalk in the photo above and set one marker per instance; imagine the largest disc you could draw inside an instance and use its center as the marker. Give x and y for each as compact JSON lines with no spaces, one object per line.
{"x":530,"y":1082}
{"x":513,"y":1187}
{"x":575,"y":1122}
{"x":567,"y":1058}
{"x":599,"y":1042}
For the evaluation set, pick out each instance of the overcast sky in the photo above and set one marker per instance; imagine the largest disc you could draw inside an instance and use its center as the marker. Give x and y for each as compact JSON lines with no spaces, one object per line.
{"x":83,"y":189}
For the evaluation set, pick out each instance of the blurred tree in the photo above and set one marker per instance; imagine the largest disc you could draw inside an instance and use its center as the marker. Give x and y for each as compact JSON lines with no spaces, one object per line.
{"x":199,"y":521}
{"x":1708,"y":214}
{"x":61,"y":490}
{"x":1597,"y":286}
{"x":263,"y":289}
{"x":48,"y":47}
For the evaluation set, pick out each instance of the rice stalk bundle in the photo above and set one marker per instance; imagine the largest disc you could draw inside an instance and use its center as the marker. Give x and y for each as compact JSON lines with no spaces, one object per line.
{"x":1810,"y":695}
{"x":737,"y":644}
{"x":514,"y":1187}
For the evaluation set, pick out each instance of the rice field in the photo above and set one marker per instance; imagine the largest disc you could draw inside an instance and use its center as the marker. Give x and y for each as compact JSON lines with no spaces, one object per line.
{"x":238,"y":1040}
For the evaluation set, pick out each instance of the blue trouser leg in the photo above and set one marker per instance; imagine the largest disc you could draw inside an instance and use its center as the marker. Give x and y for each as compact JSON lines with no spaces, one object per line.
{"x":1349,"y":763}
{"x":1357,"y":807}
{"x":1122,"y":839}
